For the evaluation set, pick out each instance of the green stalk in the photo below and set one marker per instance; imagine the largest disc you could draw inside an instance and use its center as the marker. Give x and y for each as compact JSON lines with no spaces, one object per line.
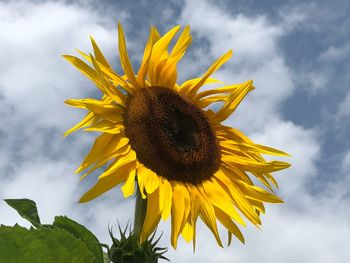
{"x":140,"y":214}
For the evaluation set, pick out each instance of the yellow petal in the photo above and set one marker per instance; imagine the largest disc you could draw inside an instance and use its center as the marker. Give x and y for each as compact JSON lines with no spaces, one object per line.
{"x":98,"y":54}
{"x":253,"y":170}
{"x":155,"y":34}
{"x":226,"y":221}
{"x":272,"y":179}
{"x":192,"y":90}
{"x":128,"y":188}
{"x":96,"y":77}
{"x":107,"y":88}
{"x":179,"y":211}
{"x":120,"y":152}
{"x":130,"y":157}
{"x":254,"y":166}
{"x":108,"y":71}
{"x":152,"y":215}
{"x":86,"y":121}
{"x":189,"y":83}
{"x":140,"y":180}
{"x":158,"y":50}
{"x":240,"y":201}
{"x":194,"y":212}
{"x":236,"y":173}
{"x":117,"y":79}
{"x":262,"y":178}
{"x":165,"y":197}
{"x":106,"y":126}
{"x":110,"y":115}
{"x":233,"y":101}
{"x":84,"y":68}
{"x":107,"y":183}
{"x":251,"y":148}
{"x":124,"y":58}
{"x":257,"y":193}
{"x":203,"y":103}
{"x":96,"y":106}
{"x":219,"y":198}
{"x":229,"y":239}
{"x":141,"y":75}
{"x":187,"y":232}
{"x":166,"y":73}
{"x":259,"y":206}
{"x":151,"y":180}
{"x":206,"y":212}
{"x":225,"y":89}
{"x":182,"y":43}
{"x":103,"y":146}
{"x":231,"y":133}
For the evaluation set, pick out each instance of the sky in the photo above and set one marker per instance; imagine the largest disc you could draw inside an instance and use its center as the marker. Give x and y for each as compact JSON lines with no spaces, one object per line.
{"x":296,"y":52}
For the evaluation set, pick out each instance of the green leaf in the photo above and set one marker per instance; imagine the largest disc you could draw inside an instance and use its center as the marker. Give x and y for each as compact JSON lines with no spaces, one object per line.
{"x":43,"y":245}
{"x":26,"y":209}
{"x":81,"y":232}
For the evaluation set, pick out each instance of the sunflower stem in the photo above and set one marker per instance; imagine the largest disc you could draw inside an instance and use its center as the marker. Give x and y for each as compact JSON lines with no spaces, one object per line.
{"x":140,"y":214}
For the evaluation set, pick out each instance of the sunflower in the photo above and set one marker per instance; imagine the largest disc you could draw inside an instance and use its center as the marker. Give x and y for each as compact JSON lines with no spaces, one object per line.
{"x":162,"y":140}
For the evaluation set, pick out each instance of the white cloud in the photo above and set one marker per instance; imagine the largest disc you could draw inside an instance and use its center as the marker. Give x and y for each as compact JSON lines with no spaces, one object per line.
{"x":345,"y":165}
{"x":343,"y":110}
{"x":34,"y":76}
{"x":316,"y":81}
{"x":337,"y":194}
{"x":48,"y":182}
{"x":35,"y":160}
{"x":335,"y":53}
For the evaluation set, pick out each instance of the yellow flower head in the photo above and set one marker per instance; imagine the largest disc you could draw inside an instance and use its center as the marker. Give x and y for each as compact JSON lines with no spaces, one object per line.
{"x":162,"y":135}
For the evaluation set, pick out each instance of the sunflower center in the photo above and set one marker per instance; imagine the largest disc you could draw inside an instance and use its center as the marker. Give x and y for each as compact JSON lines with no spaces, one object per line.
{"x":182,"y":130}
{"x":171,"y":135}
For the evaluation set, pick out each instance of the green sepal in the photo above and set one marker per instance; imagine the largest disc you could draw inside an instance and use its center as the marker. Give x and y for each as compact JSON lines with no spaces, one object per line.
{"x":126,"y":249}
{"x":106,"y":258}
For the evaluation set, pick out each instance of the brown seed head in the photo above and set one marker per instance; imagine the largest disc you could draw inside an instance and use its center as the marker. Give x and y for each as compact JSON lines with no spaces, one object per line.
{"x":171,"y":136}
